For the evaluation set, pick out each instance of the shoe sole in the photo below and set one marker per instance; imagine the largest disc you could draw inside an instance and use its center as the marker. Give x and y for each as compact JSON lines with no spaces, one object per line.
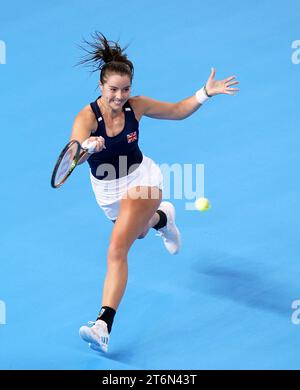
{"x":91,"y":341}
{"x":179,"y":245}
{"x":170,"y":206}
{"x":97,"y":348}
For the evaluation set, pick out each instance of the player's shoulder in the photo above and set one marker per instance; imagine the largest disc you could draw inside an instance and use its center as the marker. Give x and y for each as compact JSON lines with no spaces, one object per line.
{"x":86,"y":110}
{"x":137,"y":100}
{"x":140,"y":101}
{"x":86,"y":114}
{"x":138,"y":104}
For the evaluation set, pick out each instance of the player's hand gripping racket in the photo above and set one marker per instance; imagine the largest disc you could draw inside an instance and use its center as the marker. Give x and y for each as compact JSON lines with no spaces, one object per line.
{"x":68,"y":159}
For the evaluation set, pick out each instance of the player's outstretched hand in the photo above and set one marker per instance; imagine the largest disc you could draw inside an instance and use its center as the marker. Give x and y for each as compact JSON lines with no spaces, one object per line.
{"x":216,"y":87}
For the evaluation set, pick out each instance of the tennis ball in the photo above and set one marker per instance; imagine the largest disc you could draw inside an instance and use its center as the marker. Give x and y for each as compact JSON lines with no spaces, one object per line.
{"x":202,"y":204}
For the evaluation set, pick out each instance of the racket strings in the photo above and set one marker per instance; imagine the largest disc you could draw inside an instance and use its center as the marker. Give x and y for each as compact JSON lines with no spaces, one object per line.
{"x":66,"y":163}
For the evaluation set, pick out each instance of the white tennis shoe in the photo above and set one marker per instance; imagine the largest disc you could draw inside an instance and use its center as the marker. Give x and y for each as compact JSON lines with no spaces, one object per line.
{"x":170,"y":233}
{"x":96,"y":335}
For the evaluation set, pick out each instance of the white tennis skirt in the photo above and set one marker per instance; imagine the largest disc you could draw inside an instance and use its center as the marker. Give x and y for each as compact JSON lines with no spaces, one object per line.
{"x":109,"y":193}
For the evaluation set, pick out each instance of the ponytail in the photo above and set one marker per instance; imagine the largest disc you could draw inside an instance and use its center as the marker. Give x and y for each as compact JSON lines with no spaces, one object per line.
{"x":107,"y":57}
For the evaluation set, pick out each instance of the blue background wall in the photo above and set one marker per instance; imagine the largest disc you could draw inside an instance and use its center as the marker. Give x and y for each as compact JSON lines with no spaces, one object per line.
{"x":225,"y":301}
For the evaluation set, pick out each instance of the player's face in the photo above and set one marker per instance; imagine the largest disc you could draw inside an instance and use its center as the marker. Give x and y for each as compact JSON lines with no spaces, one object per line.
{"x":116,"y":91}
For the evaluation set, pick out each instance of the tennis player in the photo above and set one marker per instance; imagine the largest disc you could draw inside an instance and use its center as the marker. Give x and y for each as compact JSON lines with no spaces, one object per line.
{"x":127,"y":184}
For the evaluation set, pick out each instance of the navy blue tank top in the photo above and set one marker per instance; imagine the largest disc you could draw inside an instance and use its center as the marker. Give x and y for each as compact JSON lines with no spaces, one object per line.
{"x":122,"y":154}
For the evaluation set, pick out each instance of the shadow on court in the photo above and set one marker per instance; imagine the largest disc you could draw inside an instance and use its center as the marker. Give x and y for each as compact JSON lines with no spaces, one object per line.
{"x":246,"y":287}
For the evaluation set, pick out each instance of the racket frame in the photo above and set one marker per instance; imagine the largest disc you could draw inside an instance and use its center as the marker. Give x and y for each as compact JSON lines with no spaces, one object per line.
{"x":76,"y":158}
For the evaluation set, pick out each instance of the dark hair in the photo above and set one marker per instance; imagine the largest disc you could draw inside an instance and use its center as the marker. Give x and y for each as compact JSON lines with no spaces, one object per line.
{"x":107,"y":57}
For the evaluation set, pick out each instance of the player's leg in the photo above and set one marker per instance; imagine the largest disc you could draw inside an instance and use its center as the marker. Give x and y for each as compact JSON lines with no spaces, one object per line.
{"x":163,"y":221}
{"x":154,"y":220}
{"x":136,"y":209}
{"x":135,"y":212}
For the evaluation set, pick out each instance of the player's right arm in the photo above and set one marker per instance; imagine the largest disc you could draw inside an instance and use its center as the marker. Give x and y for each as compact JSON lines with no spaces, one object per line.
{"x":84,"y":124}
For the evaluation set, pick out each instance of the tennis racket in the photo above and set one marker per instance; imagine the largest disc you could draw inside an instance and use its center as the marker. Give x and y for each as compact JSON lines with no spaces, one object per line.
{"x":67,"y":161}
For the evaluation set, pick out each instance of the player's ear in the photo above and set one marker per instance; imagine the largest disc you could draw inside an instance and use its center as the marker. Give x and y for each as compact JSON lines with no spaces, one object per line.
{"x":101,"y":86}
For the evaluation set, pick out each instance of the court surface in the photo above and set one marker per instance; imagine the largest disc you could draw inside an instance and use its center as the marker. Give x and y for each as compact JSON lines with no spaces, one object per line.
{"x":225,"y":302}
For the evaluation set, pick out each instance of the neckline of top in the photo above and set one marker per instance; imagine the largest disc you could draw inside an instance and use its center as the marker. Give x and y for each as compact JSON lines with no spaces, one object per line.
{"x":105,"y":132}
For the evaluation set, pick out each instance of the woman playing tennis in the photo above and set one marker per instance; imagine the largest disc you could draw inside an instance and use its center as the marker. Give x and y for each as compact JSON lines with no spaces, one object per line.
{"x":126,"y":183}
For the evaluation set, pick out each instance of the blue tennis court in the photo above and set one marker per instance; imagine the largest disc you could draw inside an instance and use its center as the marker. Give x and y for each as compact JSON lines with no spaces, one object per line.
{"x":225,"y":301}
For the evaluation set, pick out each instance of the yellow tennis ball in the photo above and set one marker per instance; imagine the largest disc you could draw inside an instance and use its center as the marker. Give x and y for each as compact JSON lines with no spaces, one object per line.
{"x":202,"y":204}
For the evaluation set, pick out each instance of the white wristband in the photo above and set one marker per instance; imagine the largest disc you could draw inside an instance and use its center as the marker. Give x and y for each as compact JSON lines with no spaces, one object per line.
{"x":201,"y":96}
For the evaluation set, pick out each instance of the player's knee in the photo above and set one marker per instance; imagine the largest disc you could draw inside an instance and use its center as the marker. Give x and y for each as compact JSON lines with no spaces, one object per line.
{"x":116,"y":253}
{"x":144,"y":233}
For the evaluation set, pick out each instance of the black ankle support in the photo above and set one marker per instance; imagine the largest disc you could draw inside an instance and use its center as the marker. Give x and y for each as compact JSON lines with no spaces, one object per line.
{"x":107,"y":314}
{"x":162,"y":220}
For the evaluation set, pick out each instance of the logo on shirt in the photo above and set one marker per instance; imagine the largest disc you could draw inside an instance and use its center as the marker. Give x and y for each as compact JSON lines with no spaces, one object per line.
{"x":131,"y":137}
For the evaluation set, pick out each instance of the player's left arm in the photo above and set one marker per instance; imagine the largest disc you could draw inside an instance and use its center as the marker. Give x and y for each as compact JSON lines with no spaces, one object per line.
{"x":186,"y":107}
{"x":163,"y":110}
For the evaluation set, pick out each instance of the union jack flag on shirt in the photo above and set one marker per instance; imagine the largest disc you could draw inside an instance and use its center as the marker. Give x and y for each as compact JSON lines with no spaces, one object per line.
{"x":131,"y":137}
